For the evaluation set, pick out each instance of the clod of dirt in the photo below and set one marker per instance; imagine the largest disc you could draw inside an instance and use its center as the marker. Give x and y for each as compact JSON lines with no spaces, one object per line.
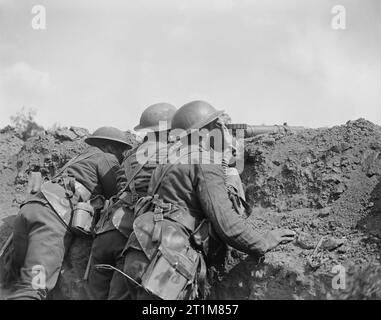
{"x":305,"y":241}
{"x":80,"y":132}
{"x":332,"y":243}
{"x":323,"y":213}
{"x":65,"y":134}
{"x":343,"y":249}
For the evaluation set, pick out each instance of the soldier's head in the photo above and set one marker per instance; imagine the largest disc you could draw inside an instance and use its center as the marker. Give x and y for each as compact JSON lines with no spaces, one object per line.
{"x":200,"y":119}
{"x":110,"y":140}
{"x":155,"y":121}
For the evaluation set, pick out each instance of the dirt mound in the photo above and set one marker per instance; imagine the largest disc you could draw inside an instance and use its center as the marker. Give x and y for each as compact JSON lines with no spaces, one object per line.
{"x":10,"y":145}
{"x":312,"y":168}
{"x":324,"y":184}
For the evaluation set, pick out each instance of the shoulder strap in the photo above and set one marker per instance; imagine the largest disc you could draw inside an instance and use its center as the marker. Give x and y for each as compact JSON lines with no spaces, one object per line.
{"x":138,"y":168}
{"x":158,"y":182}
{"x":166,"y":170}
{"x":74,"y":160}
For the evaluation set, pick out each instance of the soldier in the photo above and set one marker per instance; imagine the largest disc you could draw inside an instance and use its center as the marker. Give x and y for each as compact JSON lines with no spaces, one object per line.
{"x":44,"y":227}
{"x":188,"y":203}
{"x":233,"y":180}
{"x":114,"y":229}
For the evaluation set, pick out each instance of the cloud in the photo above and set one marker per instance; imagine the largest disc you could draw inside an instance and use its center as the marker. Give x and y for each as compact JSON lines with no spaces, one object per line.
{"x":23,"y":85}
{"x":263,"y":61}
{"x":22,"y":79}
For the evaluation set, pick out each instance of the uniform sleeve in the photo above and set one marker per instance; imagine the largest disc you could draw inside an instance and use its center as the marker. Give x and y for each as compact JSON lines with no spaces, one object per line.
{"x":215,"y":203}
{"x":111,"y":175}
{"x":121,"y":179}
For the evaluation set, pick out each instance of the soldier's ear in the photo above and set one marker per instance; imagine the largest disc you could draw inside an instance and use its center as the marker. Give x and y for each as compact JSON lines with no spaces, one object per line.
{"x":108,"y":148}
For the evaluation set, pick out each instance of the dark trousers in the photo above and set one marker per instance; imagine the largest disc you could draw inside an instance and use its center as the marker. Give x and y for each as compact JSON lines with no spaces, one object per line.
{"x":40,"y":241}
{"x":135,"y":264}
{"x":107,"y":284}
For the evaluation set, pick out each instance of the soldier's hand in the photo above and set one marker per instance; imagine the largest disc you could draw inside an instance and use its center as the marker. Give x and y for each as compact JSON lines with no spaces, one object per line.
{"x":279,"y":236}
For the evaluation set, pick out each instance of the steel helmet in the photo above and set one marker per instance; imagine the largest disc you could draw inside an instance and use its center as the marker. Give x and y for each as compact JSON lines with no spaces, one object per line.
{"x":110,"y":134}
{"x":194,"y":115}
{"x":151,"y":116}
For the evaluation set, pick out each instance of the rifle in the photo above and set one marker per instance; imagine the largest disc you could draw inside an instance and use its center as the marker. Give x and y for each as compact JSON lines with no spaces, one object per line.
{"x":255,"y":130}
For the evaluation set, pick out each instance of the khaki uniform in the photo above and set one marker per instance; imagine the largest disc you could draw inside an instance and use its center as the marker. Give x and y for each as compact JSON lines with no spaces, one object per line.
{"x":41,"y":237}
{"x":199,"y":191}
{"x":111,"y":236}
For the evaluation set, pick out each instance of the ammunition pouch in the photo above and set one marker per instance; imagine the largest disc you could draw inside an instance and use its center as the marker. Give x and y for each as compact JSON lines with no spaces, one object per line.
{"x":59,"y":199}
{"x":118,"y":214}
{"x":168,"y":237}
{"x":159,"y":211}
{"x":71,"y":202}
{"x":171,"y":273}
{"x":123,"y":213}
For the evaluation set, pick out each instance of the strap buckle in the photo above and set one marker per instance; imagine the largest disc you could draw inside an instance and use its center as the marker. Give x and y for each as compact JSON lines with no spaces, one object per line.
{"x":158,"y":217}
{"x":129,"y":198}
{"x":135,"y":197}
{"x":160,"y":204}
{"x":157,"y":209}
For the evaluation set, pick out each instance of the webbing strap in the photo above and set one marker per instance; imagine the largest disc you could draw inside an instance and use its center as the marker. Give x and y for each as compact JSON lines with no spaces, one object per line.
{"x":138,"y":168}
{"x":202,"y":277}
{"x":158,"y":216}
{"x":74,"y":160}
{"x":166,"y":170}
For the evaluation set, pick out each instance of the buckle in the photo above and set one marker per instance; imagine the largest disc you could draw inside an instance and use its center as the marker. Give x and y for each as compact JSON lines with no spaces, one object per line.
{"x":161,"y":205}
{"x":158,"y":217}
{"x":157,"y":202}
{"x":166,"y":206}
{"x":135,"y":197}
{"x":129,"y":197}
{"x":122,"y":196}
{"x":69,"y":194}
{"x":157,"y":209}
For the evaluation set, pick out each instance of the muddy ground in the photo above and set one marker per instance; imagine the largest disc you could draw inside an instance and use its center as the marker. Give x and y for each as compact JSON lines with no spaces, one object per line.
{"x":322,"y":183}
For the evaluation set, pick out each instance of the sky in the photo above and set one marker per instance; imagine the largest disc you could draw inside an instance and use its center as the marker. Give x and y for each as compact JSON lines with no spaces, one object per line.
{"x":102,"y":62}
